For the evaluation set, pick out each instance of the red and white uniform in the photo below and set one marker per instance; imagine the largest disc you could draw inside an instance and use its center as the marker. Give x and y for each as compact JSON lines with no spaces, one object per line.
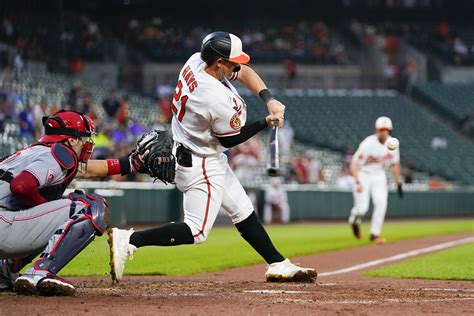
{"x":373,"y":158}
{"x":205,"y":108}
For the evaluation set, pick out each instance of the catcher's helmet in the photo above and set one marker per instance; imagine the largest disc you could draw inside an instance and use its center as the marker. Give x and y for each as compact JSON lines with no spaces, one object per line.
{"x":65,"y":124}
{"x":223,"y":45}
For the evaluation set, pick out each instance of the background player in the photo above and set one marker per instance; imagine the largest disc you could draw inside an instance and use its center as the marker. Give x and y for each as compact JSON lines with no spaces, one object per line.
{"x":368,"y":169}
{"x":276,"y":200}
{"x":36,"y":218}
{"x":209,"y":117}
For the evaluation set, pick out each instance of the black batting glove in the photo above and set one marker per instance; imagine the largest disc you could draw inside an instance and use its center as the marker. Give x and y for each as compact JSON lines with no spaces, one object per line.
{"x":400,"y":190}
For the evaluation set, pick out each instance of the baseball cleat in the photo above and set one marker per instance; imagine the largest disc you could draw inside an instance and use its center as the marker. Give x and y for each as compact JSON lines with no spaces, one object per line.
{"x":55,"y":286}
{"x":355,"y":222}
{"x":26,"y":284}
{"x":285,"y":271}
{"x":378,"y":240}
{"x":120,"y":251}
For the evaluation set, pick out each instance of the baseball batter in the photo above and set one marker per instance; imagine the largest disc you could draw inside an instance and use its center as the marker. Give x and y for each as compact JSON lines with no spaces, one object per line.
{"x":209,"y":117}
{"x":36,"y":218}
{"x":368,"y":167}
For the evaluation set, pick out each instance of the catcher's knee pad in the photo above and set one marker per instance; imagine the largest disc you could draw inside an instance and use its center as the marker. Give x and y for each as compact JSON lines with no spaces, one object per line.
{"x":69,"y":240}
{"x":95,"y":207}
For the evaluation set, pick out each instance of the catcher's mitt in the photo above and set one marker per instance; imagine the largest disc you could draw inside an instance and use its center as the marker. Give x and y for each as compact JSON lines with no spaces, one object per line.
{"x":154,"y":156}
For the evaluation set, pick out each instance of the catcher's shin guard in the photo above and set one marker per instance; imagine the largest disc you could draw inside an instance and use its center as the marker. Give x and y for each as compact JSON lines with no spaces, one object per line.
{"x":76,"y":234}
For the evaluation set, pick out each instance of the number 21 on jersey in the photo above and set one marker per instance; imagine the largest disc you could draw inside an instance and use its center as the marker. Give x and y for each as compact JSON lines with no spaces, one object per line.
{"x":181,"y":99}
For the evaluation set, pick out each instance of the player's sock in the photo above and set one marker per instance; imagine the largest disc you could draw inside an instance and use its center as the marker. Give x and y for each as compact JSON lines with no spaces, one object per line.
{"x":171,"y":234}
{"x":253,"y":232}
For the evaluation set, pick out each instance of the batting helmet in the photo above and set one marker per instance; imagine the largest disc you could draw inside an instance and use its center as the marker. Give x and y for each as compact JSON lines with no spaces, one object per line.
{"x":65,"y":124}
{"x":223,"y":45}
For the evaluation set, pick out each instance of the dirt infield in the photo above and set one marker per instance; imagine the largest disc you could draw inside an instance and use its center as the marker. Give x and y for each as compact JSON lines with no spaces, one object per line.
{"x":243,"y":291}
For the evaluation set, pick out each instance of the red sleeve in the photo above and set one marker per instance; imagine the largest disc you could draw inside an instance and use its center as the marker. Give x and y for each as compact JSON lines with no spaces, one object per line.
{"x":24,"y":188}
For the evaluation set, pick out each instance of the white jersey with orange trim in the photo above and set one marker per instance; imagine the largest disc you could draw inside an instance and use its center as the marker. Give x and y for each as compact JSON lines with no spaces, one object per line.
{"x":205,"y":108}
{"x":374,"y":157}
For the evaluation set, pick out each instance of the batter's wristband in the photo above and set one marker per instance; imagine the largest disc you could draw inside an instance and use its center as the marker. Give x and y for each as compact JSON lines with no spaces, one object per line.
{"x":125,"y":167}
{"x":265,"y":95}
{"x":113,"y":167}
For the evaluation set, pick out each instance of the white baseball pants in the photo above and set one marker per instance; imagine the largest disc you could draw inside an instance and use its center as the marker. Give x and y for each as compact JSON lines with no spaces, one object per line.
{"x":374,"y":185}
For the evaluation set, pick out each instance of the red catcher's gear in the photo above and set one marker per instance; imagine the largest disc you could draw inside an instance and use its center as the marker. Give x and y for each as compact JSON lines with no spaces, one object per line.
{"x":65,"y":124}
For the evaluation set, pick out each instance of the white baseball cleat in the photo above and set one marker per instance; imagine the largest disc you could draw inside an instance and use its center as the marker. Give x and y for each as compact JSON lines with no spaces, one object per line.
{"x":285,"y":271}
{"x":55,"y":286}
{"x":26,"y":284}
{"x":121,"y":250}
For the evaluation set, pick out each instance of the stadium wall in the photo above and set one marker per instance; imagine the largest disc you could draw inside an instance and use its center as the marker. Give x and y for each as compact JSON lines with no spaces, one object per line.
{"x":146,"y":203}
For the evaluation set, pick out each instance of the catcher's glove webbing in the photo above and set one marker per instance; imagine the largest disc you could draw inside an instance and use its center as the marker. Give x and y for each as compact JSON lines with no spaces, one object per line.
{"x":154,"y":156}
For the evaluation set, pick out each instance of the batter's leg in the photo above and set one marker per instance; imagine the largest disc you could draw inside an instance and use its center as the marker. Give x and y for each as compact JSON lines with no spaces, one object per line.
{"x":202,"y":187}
{"x":202,"y":199}
{"x":379,"y":192}
{"x":240,"y":209}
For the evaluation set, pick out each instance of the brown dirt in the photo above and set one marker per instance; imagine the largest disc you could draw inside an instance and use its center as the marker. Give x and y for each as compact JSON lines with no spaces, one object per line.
{"x":243,"y":291}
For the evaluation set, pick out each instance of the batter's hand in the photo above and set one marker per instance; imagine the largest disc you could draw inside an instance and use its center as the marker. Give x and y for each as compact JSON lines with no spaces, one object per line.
{"x":270,"y":119}
{"x":277,"y":109}
{"x":359,"y":187}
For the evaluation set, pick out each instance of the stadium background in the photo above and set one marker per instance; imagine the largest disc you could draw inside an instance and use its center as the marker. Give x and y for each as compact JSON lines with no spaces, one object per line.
{"x":337,"y":66}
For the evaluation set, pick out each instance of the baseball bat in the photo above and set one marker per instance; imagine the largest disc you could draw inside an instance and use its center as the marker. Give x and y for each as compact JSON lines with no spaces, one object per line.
{"x":274,"y":168}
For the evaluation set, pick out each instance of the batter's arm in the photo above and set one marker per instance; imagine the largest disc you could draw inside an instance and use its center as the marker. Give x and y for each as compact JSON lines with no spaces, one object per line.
{"x":252,"y":81}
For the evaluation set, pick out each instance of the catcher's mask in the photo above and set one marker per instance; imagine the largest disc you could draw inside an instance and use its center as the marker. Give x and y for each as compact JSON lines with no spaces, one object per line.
{"x":65,"y":124}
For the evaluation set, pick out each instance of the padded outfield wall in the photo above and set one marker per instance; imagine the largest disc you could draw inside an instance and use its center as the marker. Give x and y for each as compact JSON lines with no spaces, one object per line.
{"x":147,"y":203}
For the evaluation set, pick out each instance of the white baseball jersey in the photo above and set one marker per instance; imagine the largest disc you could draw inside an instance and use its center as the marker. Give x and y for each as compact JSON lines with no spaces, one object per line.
{"x":205,"y":108}
{"x":374,"y":157}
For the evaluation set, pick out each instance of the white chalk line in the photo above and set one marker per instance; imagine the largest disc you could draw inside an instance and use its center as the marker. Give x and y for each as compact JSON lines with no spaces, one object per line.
{"x":372,"y":302}
{"x":401,"y":256}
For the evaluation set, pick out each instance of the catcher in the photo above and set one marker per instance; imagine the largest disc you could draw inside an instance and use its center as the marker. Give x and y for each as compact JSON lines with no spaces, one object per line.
{"x":36,"y":218}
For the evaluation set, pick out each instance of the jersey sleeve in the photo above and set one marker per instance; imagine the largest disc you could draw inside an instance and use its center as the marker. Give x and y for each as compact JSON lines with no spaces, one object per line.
{"x":225,"y":121}
{"x":46,"y":170}
{"x":361,"y":155}
{"x":395,"y":157}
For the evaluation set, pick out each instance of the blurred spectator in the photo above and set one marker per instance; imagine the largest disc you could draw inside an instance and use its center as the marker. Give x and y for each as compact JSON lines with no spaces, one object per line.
{"x":344,"y":180}
{"x":164,"y":105}
{"x":26,"y":123}
{"x":315,"y":172}
{"x":301,"y":169}
{"x":443,"y":30}
{"x":436,"y":183}
{"x":439,"y":142}
{"x":73,"y":96}
{"x":111,"y":105}
{"x":276,"y":201}
{"x":122,"y":115}
{"x":347,"y":157}
{"x":244,"y":161}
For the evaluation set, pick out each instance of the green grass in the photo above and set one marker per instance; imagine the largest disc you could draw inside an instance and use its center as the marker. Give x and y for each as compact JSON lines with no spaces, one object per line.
{"x":226,"y":249}
{"x":452,"y":264}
